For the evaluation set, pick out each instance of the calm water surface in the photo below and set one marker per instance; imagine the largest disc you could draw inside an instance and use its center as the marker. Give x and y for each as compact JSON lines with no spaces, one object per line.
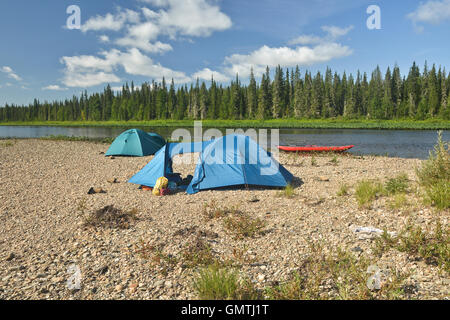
{"x":394,"y":143}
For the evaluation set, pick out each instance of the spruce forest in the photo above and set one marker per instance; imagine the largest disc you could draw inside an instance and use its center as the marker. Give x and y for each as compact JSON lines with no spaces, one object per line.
{"x":290,"y":94}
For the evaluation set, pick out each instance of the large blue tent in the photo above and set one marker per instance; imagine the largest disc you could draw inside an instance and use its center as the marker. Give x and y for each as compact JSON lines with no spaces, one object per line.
{"x":232,"y":160}
{"x":136,"y":143}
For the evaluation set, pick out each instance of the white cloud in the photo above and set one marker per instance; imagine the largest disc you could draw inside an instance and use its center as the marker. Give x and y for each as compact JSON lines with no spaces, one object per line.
{"x":157,"y":47}
{"x":85,"y":80}
{"x":6,"y":69}
{"x":104,"y":38}
{"x":207,"y":74}
{"x":10,"y":72}
{"x":114,"y":22}
{"x":332,"y":34}
{"x":433,"y":12}
{"x":174,"y":18}
{"x":135,"y":63}
{"x":157,"y":3}
{"x":306,"y":40}
{"x":198,"y":18}
{"x":87,"y":71}
{"x":336,"y":32}
{"x":54,"y":88}
{"x":285,"y":57}
{"x":139,"y":36}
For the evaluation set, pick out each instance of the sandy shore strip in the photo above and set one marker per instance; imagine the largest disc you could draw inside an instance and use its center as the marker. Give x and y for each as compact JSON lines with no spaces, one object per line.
{"x":43,"y":199}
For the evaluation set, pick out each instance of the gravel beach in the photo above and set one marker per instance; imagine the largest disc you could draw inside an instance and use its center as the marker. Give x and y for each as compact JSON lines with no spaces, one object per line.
{"x":44,"y":199}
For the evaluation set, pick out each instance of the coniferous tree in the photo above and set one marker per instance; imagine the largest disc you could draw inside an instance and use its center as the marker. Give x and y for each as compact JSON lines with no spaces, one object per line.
{"x":278,"y":99}
{"x":252,"y":96}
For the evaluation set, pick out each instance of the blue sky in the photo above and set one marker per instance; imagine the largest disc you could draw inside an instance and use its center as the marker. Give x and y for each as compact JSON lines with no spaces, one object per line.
{"x":142,"y":40}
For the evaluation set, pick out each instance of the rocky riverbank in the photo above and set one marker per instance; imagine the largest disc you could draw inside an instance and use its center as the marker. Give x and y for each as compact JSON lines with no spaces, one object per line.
{"x":44,"y":202}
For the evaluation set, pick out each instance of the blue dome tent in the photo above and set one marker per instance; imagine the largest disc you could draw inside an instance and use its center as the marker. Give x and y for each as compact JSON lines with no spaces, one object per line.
{"x":232,"y":160}
{"x":136,"y":143}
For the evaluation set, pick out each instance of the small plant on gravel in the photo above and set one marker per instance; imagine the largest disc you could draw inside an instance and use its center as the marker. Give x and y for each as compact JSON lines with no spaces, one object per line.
{"x":111,"y":217}
{"x":242,"y":225}
{"x":216,"y":283}
{"x":399,"y":201}
{"x":343,"y":190}
{"x":313,"y":161}
{"x":213,"y":211}
{"x":198,"y":253}
{"x":334,"y":275}
{"x":432,"y":247}
{"x":287,"y":192}
{"x":7,"y":144}
{"x":397,"y":185}
{"x":367,"y":191}
{"x":238,"y":258}
{"x":434,"y":175}
{"x":155,"y":255}
{"x":334,"y":160}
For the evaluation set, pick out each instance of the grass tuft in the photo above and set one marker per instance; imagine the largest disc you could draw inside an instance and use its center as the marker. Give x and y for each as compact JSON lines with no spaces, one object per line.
{"x":334,"y":160}
{"x":398,"y":201}
{"x":343,"y":190}
{"x":367,"y":191}
{"x":216,"y":283}
{"x":399,"y":184}
{"x":287,"y":192}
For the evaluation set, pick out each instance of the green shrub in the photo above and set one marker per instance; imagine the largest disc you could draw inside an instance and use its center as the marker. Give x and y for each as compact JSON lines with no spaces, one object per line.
{"x":434,"y":175}
{"x":437,"y":167}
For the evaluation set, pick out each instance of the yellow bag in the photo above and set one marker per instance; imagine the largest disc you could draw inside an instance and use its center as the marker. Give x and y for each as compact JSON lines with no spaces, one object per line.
{"x":161,"y":183}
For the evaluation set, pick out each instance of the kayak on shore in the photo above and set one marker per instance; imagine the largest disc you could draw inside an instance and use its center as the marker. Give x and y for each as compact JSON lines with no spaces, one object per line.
{"x":315,"y":149}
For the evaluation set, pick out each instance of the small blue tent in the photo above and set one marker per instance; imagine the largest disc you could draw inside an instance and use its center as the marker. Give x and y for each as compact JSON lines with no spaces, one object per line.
{"x":136,"y":143}
{"x":232,"y":160}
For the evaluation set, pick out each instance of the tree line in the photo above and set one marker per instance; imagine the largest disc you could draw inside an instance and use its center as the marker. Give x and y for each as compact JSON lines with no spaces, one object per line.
{"x":290,"y":94}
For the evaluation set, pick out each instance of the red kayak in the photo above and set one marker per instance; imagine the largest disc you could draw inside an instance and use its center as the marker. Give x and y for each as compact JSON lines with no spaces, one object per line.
{"x":315,"y":149}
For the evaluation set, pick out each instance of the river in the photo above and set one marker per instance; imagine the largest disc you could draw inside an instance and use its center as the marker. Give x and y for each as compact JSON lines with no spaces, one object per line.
{"x":393,"y":143}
